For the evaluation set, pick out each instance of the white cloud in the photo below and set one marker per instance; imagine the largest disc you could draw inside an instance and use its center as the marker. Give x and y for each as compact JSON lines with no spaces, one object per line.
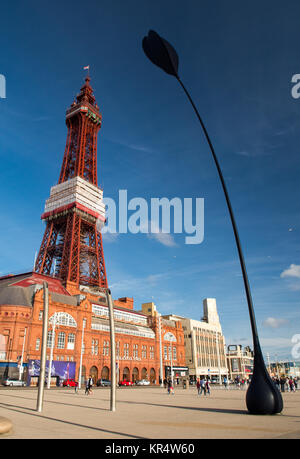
{"x":163,"y":238}
{"x":110,"y":237}
{"x":292,"y":271}
{"x":157,"y":234}
{"x":272,"y":322}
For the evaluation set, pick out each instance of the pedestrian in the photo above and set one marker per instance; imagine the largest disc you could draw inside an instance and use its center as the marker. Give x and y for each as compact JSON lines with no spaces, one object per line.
{"x":169,"y":383}
{"x":278,"y":383}
{"x":225,"y":382}
{"x":89,"y":385}
{"x":296,"y":383}
{"x":292,"y":385}
{"x":282,"y":383}
{"x":207,"y":386}
{"x":198,"y":386}
{"x":202,"y":386}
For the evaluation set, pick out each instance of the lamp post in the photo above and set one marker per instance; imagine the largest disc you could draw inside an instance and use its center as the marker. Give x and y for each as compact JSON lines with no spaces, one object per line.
{"x":160,"y":353}
{"x":81,"y":354}
{"x":40,"y":398}
{"x":21,"y":369}
{"x":262,"y":396}
{"x":218,"y":358}
{"x":54,"y":321}
{"x":171,"y":355}
{"x":113,"y":351}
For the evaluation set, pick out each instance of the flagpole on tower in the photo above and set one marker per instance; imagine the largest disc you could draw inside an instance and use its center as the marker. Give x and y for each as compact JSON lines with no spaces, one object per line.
{"x":88,"y":69}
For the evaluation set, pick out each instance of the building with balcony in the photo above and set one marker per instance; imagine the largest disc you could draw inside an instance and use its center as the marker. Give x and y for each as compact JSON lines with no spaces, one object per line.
{"x":239,"y":361}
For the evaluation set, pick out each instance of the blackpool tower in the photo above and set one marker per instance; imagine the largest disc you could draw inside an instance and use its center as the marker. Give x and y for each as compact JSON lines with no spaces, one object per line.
{"x":71,"y":248}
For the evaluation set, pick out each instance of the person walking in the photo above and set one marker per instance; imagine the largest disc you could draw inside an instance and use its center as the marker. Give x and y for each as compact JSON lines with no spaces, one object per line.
{"x":277,"y":382}
{"x":225,"y":382}
{"x":296,"y":383}
{"x":282,"y":383}
{"x":291,"y":384}
{"x":89,"y":385}
{"x":169,"y":384}
{"x":202,"y":386}
{"x":198,"y":386}
{"x":207,"y":386}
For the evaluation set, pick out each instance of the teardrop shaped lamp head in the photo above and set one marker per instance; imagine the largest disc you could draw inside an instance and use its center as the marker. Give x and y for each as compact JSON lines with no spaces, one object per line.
{"x":161,"y":53}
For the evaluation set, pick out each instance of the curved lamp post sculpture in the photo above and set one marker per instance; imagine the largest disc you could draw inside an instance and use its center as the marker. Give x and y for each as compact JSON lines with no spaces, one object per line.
{"x":262,"y":396}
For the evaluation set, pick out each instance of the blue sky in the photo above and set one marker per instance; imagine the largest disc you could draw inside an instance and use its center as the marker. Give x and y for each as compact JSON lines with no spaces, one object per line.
{"x":237,"y":60}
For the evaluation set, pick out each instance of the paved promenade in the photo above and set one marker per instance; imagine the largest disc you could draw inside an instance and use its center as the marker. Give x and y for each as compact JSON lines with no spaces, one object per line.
{"x":143,"y":412}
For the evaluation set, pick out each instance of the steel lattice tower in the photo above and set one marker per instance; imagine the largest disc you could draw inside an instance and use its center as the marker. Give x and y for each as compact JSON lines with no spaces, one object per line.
{"x":71,"y":248}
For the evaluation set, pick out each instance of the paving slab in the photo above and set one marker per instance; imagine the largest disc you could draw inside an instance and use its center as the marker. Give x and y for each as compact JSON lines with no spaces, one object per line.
{"x":143,"y":413}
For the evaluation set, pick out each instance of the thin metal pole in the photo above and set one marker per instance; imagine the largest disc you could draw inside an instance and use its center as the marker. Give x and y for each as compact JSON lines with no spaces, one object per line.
{"x":43,"y":349}
{"x":112,"y":352}
{"x":160,"y":353}
{"x":22,"y":357}
{"x":218,"y":357}
{"x":81,"y":354}
{"x":51,"y":352}
{"x":172,"y":364}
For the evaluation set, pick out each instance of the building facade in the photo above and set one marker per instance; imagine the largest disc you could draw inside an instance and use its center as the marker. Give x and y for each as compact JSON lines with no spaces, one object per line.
{"x":81,"y":318}
{"x":239,"y":361}
{"x":204,"y":343}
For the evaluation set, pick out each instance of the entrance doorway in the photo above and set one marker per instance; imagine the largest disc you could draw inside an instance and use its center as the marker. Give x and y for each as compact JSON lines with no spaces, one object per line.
{"x":135,"y":375}
{"x":94,"y":374}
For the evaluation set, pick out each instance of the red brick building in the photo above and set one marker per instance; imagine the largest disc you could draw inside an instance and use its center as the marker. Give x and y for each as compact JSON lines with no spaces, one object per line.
{"x":137,"y":332}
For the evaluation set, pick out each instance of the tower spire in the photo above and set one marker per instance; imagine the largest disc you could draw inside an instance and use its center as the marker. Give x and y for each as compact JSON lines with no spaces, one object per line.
{"x":72,"y":243}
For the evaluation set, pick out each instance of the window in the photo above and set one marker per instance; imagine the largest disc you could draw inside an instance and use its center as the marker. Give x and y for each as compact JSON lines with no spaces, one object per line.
{"x":71,"y":341}
{"x":144,"y":352}
{"x":37,"y":344}
{"x":94,"y":347}
{"x":135,"y":350}
{"x":126,"y":350}
{"x":151,"y":352}
{"x":105,"y":347}
{"x":61,"y":340}
{"x":118,"y":349}
{"x":63,"y":318}
{"x":174,"y":353}
{"x":49,"y":338}
{"x":165,"y":353}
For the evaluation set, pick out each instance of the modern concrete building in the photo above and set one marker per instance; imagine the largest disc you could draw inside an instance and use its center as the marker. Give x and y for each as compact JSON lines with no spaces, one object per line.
{"x":204,"y":343}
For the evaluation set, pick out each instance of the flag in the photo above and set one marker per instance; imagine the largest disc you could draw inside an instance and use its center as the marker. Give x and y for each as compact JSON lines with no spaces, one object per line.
{"x":86,"y":68}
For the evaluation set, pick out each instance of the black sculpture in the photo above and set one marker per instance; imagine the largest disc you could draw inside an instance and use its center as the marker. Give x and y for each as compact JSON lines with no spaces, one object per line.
{"x":262,"y":396}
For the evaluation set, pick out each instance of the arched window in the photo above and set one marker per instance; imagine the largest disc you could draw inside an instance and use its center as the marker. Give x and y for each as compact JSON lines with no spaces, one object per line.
{"x":152,"y":376}
{"x":126,"y":374}
{"x":170,"y":337}
{"x":63,"y":318}
{"x":135,"y":374}
{"x":144,"y":373}
{"x":94,"y":374}
{"x":105,"y":373}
